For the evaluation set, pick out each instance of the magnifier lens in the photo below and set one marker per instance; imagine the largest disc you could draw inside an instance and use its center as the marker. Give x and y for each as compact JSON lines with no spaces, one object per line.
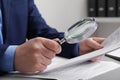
{"x":80,"y":31}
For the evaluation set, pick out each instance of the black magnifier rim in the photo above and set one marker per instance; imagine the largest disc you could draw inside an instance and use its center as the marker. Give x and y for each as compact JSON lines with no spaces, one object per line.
{"x":80,"y":23}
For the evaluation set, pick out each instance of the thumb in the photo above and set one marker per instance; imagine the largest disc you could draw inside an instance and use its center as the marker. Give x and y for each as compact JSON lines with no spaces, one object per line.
{"x":56,"y":39}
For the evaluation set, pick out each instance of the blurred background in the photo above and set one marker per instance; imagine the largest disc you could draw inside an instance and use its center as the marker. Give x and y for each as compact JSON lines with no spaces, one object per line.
{"x":61,"y":14}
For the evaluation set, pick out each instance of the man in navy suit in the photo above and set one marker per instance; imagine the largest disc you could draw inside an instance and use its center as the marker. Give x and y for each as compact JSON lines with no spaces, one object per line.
{"x":20,"y":20}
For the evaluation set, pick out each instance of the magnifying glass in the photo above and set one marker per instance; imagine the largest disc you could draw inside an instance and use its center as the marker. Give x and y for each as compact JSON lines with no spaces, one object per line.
{"x":79,"y":31}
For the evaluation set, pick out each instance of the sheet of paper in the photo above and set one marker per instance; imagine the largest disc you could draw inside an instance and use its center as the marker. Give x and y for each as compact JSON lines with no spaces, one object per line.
{"x":55,"y":62}
{"x":113,"y":39}
{"x":82,"y":71}
{"x":85,"y":57}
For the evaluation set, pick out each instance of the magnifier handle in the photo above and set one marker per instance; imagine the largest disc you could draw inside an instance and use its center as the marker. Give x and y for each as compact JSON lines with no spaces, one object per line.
{"x":62,"y":41}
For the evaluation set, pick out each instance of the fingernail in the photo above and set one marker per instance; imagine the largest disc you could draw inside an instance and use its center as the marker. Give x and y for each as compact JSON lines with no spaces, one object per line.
{"x":58,"y":50}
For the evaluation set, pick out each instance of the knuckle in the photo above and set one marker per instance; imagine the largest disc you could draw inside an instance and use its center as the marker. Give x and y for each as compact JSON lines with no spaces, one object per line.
{"x":51,"y":53}
{"x":88,"y":41}
{"x":35,"y":47}
{"x":49,"y":62}
{"x":42,"y":68}
{"x":34,"y":68}
{"x":35,"y":64}
{"x":37,"y":67}
{"x":35,"y":56}
{"x":52,"y":56}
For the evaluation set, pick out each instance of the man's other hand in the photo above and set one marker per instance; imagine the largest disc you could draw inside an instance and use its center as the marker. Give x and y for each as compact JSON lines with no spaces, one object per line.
{"x":91,"y":44}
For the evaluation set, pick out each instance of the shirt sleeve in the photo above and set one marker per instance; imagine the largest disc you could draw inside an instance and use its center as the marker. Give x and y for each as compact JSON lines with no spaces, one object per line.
{"x":7,"y":60}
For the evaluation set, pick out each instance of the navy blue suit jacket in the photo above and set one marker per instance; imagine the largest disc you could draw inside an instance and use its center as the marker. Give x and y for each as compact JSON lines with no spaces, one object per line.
{"x":22,"y":20}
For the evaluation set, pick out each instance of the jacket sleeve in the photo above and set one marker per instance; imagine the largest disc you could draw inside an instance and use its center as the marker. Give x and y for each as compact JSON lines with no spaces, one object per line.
{"x":3,"y":48}
{"x":38,"y":27}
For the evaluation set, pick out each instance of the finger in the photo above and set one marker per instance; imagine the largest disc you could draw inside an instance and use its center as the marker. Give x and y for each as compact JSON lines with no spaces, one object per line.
{"x":93,"y":44}
{"x":45,"y":61}
{"x":56,"y":39}
{"x":52,"y":45}
{"x":43,"y":50}
{"x":41,"y":68}
{"x":99,"y":40}
{"x":96,"y":59}
{"x":48,"y":53}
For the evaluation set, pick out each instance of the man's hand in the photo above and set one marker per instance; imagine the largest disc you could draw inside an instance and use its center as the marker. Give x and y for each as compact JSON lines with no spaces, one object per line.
{"x":35,"y":55}
{"x":91,"y":44}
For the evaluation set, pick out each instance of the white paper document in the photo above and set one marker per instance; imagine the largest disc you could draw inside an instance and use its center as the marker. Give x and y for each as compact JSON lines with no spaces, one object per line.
{"x":111,"y":44}
{"x":82,"y":71}
{"x":113,"y":39}
{"x":75,"y":69}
